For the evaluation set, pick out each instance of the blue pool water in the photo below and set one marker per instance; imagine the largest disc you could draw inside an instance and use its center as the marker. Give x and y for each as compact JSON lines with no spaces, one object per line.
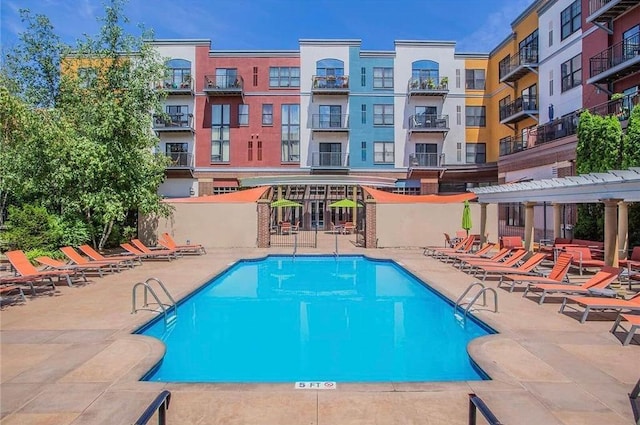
{"x":315,"y":318}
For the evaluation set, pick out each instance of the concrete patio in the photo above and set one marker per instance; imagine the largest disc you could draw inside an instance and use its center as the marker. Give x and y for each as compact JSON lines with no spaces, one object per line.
{"x":71,"y":359}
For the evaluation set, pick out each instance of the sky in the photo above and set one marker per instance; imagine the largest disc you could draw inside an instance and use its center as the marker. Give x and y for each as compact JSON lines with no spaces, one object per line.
{"x":475,"y":25}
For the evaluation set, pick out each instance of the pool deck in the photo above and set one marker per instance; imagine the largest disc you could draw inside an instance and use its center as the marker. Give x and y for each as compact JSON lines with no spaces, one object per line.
{"x":70,"y":359}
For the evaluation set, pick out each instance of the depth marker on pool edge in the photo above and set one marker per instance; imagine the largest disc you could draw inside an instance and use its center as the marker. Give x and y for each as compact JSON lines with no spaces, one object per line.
{"x":315,"y":385}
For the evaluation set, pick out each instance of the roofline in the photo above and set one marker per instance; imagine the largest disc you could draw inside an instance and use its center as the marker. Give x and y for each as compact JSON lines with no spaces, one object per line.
{"x":254,"y":53}
{"x":189,"y":41}
{"x":329,"y":42}
{"x":377,"y":54}
{"x":471,"y":55}
{"x":503,"y":43}
{"x":318,"y":179}
{"x":425,"y":43}
{"x":525,"y":13}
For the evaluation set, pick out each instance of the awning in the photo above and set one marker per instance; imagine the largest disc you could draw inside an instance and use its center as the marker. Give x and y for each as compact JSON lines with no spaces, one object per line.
{"x":383,"y":197}
{"x":241,"y":196}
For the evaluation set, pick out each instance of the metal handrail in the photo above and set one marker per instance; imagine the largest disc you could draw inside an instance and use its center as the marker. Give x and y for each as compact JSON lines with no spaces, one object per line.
{"x":484,"y":300}
{"x":164,"y":288}
{"x":476,"y":403}
{"x":634,"y":398}
{"x":466,"y":291}
{"x":160,"y":405}
{"x":148,"y":289}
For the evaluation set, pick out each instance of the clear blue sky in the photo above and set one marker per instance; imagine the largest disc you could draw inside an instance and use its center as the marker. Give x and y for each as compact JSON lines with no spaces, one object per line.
{"x":476,"y":25}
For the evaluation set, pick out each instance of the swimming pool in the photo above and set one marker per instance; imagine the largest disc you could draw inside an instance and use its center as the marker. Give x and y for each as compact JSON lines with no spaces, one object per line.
{"x":315,"y":318}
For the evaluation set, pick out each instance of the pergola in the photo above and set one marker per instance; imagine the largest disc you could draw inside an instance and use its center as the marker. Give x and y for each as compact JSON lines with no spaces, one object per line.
{"x":616,"y":189}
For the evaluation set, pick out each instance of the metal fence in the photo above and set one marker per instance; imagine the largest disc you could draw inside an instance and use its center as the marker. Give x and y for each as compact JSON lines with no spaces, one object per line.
{"x":292,"y":238}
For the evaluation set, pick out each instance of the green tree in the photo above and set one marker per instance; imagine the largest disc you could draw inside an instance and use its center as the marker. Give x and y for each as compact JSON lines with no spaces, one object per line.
{"x":631,"y":140}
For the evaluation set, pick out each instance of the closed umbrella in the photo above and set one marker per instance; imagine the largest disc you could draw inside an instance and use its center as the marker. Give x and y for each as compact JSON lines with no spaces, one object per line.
{"x":466,"y":217}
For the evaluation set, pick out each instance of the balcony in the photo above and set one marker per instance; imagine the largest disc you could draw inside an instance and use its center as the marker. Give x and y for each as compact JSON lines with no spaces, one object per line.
{"x":223,"y":85}
{"x":603,"y":10}
{"x":330,"y":85}
{"x":510,"y":145}
{"x":330,"y":160}
{"x":524,"y":62}
{"x":428,"y":86}
{"x":618,"y":61}
{"x":620,"y":108}
{"x":522,"y":108}
{"x":422,"y":123}
{"x":173,"y":88}
{"x":180,"y":160}
{"x":173,"y":123}
{"x":330,"y":123}
{"x":426,"y":160}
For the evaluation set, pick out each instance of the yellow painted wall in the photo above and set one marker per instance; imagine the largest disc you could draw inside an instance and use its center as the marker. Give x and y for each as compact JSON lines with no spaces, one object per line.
{"x":478,"y":98}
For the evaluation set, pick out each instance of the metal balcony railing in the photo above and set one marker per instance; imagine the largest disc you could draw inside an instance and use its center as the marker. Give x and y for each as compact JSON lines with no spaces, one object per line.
{"x":519,"y":65}
{"x":330,"y":83}
{"x":428,"y":86}
{"x":180,"y":159}
{"x":224,"y":84}
{"x":510,"y":145}
{"x":173,"y":122}
{"x":521,"y":106}
{"x":426,"y":159}
{"x":330,"y":122}
{"x":602,"y":10}
{"x":171,"y":86}
{"x":624,"y":56}
{"x":429,"y":123}
{"x":556,"y":129}
{"x":329,"y":159}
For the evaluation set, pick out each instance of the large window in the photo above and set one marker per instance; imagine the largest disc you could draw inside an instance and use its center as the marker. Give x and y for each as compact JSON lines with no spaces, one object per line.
{"x":178,"y":115}
{"x":284,"y":76}
{"x":528,"y":48}
{"x":475,"y":116}
{"x":476,"y":153}
{"x":530,"y":98}
{"x":178,"y":74}
{"x":330,"y":116}
{"x":179,"y":154}
{"x":227,"y":78}
{"x":504,"y":66}
{"x":475,"y":79}
{"x":382,"y":114}
{"x":87,"y":77}
{"x":631,"y":40}
{"x":570,"y":19}
{"x":571,"y":72}
{"x":243,"y":114}
{"x":291,"y":133}
{"x":383,"y":152}
{"x":267,"y":114}
{"x":383,"y":78}
{"x":220,"y":133}
{"x":514,"y":215}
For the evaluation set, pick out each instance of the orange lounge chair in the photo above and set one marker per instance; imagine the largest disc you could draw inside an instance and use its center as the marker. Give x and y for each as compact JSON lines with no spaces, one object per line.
{"x":151,"y":255}
{"x":634,"y":321}
{"x":128,"y":260}
{"x":29,"y":274}
{"x":59,"y":265}
{"x":142,"y":247}
{"x":582,"y":258}
{"x":528,"y":266}
{"x":167,"y":241}
{"x":600,"y":280}
{"x":556,"y":275}
{"x":507,"y":261}
{"x":448,"y":243}
{"x":602,"y":304}
{"x":78,"y":259}
{"x":467,"y":259}
{"x":479,"y":254}
{"x":6,"y":297}
{"x":464,"y":247}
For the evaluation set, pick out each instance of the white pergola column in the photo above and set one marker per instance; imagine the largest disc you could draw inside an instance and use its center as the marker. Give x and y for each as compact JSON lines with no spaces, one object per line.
{"x":483,"y":223}
{"x":611,"y":232}
{"x":623,"y":230}
{"x":528,"y":225}
{"x":557,"y":220}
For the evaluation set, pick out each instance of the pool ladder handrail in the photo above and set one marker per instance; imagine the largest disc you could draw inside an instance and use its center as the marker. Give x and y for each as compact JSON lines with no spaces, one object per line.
{"x":148,"y":289}
{"x":160,"y":405}
{"x":476,"y":402}
{"x":295,"y":245}
{"x":482,"y":292}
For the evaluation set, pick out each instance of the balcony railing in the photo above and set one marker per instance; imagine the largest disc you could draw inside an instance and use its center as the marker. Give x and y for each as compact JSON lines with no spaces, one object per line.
{"x":519,"y":109}
{"x":224,"y":85}
{"x":510,"y":145}
{"x":428,"y":86}
{"x":330,"y":159}
{"x":180,"y":159}
{"x":173,"y":122}
{"x":429,"y":123}
{"x":426,"y":159}
{"x":330,"y":84}
{"x":602,"y":10}
{"x":330,"y":122}
{"x":172,"y":87}
{"x":619,"y":60}
{"x":519,"y":65}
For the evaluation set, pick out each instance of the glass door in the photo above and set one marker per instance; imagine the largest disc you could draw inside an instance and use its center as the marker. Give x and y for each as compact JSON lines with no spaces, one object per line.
{"x":427,"y":154}
{"x":317,"y":214}
{"x":330,"y":154}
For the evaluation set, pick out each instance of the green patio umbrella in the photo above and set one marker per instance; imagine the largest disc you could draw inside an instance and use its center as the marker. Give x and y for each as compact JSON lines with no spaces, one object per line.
{"x":285,"y":203}
{"x":344,"y":203}
{"x":466,"y":217}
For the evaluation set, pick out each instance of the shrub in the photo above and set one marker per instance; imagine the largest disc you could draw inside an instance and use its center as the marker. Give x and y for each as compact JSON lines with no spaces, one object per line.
{"x":30,"y":227}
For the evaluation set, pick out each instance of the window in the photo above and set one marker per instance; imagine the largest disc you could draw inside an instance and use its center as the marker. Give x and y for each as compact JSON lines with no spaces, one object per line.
{"x":284,"y":76}
{"x":250,"y":150}
{"x":475,"y":116}
{"x":475,"y":79}
{"x":550,"y":33}
{"x":243,"y":114}
{"x":459,"y":151}
{"x":551,"y":82}
{"x":457,"y":78}
{"x":290,"y":134}
{"x":363,"y":151}
{"x":505,"y":107}
{"x":528,"y":48}
{"x":514,"y":215}
{"x":255,"y":76}
{"x":530,"y":98}
{"x":87,"y":77}
{"x":259,"y":150}
{"x":504,"y":66}
{"x":330,"y":74}
{"x":267,"y":114}
{"x":178,"y":74}
{"x":220,"y":133}
{"x":178,"y":115}
{"x":570,"y":19}
{"x":363,"y":111}
{"x":426,"y":155}
{"x":179,"y":154}
{"x":476,"y":153}
{"x":330,"y":116}
{"x":383,"y":152}
{"x":363,"y":76}
{"x":571,"y":73}
{"x":382,"y":78}
{"x":631,"y":40}
{"x":459,"y":115}
{"x":227,"y":78}
{"x":382,"y":114}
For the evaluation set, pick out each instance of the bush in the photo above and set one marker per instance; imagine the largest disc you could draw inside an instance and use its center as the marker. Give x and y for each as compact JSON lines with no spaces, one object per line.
{"x":30,"y":227}
{"x":70,"y":231}
{"x":35,"y":253}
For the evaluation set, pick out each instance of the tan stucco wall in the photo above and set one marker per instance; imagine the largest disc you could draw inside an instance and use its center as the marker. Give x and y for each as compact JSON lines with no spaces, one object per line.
{"x":416,"y":225}
{"x":215,"y":225}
